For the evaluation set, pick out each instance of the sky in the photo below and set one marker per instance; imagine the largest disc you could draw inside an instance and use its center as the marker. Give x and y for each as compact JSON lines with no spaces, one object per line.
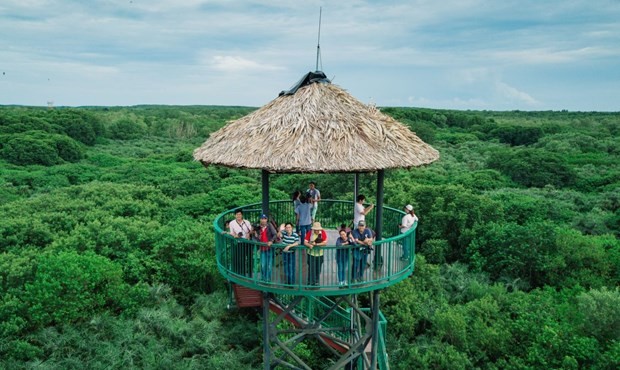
{"x":450,"y":54}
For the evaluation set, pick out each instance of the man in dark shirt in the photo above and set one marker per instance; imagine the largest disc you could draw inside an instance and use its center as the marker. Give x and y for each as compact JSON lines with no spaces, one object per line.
{"x":362,"y":240}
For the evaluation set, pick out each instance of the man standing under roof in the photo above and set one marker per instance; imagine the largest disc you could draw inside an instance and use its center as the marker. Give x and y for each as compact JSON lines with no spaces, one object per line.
{"x":359,"y":213}
{"x":314,"y":196}
{"x":303,"y":214}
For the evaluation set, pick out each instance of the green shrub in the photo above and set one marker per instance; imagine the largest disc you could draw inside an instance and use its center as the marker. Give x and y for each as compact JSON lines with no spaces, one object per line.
{"x":22,"y":231}
{"x":126,"y":129}
{"x":81,"y":131}
{"x":68,"y":287}
{"x":435,"y":250}
{"x":517,"y":135}
{"x":25,"y":123}
{"x":26,"y":150}
{"x":38,"y":147}
{"x":68,"y":149}
{"x":80,"y":125}
{"x":508,"y":251}
{"x":456,"y":138}
{"x":601,"y":310}
{"x":533,"y":167}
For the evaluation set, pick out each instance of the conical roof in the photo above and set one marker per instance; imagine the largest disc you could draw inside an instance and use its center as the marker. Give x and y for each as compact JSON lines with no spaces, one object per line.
{"x":318,"y":128}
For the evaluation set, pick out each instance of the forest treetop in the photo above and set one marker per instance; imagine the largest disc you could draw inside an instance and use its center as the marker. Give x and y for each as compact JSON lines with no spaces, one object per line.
{"x":518,"y":251}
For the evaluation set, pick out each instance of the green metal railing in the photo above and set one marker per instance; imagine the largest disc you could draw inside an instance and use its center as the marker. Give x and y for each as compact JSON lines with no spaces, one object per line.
{"x":239,"y":259}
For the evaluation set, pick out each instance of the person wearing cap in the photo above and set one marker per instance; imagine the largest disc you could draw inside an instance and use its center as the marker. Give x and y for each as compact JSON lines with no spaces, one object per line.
{"x":314,"y":240}
{"x":362,"y":240}
{"x":409,"y":219}
{"x":267,"y":234}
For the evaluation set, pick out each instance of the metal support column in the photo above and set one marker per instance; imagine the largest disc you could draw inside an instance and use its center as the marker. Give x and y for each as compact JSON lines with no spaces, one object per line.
{"x":266,"y":333}
{"x":265,"y":186}
{"x":356,"y":187}
{"x":375,"y":330}
{"x":379,"y":217}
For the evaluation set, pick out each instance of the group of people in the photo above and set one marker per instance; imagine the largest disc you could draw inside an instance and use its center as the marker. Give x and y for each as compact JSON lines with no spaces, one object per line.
{"x":356,"y":243}
{"x":265,"y":233}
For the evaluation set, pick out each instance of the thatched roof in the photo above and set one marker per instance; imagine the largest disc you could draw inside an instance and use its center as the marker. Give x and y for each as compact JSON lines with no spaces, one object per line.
{"x":320,"y":128}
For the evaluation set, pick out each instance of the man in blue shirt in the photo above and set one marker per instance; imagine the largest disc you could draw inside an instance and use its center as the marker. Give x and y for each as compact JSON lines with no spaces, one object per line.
{"x":362,"y":241}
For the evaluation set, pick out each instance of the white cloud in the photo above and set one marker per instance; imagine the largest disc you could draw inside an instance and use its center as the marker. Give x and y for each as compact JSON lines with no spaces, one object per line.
{"x":513,"y":93}
{"x":473,"y":88}
{"x":453,"y":103}
{"x":452,"y":53}
{"x":551,"y":56}
{"x":230,"y":63}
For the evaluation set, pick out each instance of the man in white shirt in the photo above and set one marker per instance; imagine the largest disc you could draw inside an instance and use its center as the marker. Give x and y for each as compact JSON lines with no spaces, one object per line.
{"x":240,"y":228}
{"x":241,"y":254}
{"x":359,"y":213}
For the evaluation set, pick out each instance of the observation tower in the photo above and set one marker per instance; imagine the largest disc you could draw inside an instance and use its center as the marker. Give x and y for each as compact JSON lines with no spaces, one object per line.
{"x":317,"y":127}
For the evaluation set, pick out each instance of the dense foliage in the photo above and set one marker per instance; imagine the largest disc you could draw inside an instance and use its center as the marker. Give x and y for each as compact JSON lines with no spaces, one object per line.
{"x":106,"y":243}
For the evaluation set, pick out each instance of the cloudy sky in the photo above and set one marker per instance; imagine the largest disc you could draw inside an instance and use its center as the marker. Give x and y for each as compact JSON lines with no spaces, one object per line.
{"x":456,"y":54}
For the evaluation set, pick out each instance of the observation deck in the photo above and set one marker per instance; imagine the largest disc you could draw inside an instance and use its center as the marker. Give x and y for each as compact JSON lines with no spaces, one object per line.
{"x":239,"y":260}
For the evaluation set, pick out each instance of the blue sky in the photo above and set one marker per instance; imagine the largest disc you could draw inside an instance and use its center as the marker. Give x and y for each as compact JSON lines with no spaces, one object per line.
{"x":465,"y":54}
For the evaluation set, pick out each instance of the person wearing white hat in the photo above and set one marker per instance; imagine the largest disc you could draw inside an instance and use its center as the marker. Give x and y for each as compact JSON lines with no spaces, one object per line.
{"x":409,"y":219}
{"x":315,"y":239}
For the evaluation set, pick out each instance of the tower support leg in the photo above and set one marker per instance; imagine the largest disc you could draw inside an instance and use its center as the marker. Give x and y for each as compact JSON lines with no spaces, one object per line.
{"x":348,"y":331}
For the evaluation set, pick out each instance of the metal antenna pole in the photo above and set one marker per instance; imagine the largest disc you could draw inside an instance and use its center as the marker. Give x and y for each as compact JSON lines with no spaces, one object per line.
{"x":318,"y":43}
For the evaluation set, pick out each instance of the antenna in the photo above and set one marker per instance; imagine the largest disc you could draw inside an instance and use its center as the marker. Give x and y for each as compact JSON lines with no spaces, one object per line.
{"x":318,"y":43}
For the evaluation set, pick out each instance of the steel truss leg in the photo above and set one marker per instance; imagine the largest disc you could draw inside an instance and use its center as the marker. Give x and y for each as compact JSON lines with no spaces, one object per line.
{"x":347,"y":340}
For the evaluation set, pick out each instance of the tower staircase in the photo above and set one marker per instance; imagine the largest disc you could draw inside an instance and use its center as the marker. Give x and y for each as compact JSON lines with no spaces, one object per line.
{"x":337,"y":322}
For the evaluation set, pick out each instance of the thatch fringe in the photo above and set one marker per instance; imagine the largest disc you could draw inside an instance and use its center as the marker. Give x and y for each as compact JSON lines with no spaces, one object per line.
{"x":321,"y":128}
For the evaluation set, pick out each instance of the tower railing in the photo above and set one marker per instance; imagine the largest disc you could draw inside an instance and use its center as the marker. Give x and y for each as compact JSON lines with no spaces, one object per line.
{"x":239,"y":260}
